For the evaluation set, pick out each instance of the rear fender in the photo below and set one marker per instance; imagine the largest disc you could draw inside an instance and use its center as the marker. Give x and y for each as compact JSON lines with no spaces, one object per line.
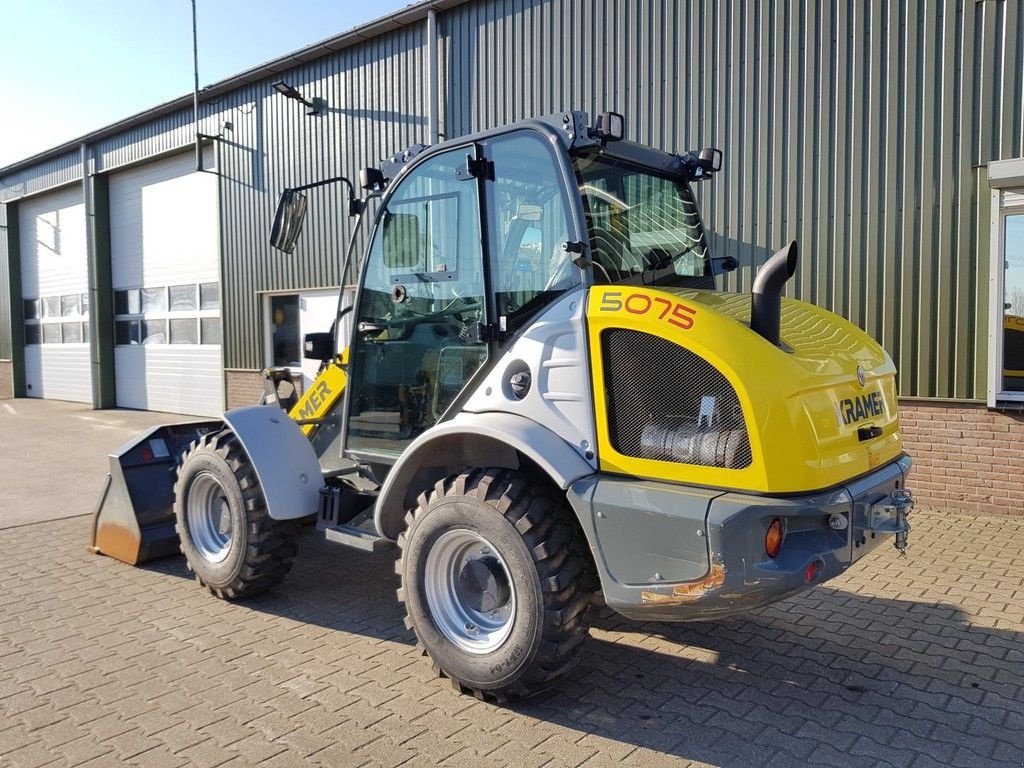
{"x":285,"y":464}
{"x":472,"y":440}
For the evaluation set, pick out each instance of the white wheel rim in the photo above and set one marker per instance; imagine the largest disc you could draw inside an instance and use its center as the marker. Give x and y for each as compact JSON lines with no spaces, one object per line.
{"x":469,"y":591}
{"x":209,"y":518}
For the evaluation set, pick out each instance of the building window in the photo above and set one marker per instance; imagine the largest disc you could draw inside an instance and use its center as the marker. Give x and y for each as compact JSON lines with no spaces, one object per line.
{"x":1006,"y":317}
{"x":167,"y":314}
{"x":57,"y":319}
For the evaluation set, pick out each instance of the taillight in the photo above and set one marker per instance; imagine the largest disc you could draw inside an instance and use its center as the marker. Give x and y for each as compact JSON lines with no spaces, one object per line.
{"x":773,"y":538}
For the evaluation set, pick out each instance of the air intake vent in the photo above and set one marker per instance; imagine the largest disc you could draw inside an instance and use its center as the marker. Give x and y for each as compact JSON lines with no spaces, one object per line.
{"x":668,"y":404}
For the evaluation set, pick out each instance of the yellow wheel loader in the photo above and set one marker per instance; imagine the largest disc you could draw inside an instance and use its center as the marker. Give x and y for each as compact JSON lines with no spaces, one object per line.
{"x":543,"y":399}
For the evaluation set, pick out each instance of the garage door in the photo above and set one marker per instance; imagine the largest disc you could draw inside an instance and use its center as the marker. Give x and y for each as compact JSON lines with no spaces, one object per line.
{"x":165,"y":264}
{"x":54,"y":285}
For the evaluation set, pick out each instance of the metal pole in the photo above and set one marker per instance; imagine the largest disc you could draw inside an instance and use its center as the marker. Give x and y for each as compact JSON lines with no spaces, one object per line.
{"x":90,"y":254}
{"x":195,"y":90}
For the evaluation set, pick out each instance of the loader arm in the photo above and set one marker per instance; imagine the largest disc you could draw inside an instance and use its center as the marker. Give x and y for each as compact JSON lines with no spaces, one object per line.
{"x":322,"y":396}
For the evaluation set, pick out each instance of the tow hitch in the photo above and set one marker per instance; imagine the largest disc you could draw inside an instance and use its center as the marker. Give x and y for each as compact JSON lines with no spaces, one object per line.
{"x":890,"y":516}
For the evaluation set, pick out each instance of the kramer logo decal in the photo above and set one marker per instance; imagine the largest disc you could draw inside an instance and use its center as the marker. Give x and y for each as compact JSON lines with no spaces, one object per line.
{"x":852,"y":410}
{"x":316,"y":399}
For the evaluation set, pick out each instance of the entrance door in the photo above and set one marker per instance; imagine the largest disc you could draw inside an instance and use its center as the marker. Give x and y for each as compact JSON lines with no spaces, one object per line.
{"x":55,"y":287}
{"x":292,"y":316}
{"x":165,"y":263}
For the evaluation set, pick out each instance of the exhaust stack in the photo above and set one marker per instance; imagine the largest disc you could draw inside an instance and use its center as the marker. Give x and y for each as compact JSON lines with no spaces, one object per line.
{"x":766,"y":298}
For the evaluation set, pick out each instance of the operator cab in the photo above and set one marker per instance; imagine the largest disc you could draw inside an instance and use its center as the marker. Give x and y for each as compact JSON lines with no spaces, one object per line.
{"x":474,"y":237}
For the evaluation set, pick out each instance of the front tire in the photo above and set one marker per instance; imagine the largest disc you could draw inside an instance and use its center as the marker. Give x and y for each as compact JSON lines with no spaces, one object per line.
{"x":496,"y":582}
{"x":228,"y":538}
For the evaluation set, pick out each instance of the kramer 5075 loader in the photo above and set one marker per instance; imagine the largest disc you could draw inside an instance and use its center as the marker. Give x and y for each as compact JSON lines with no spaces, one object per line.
{"x":543,"y":398}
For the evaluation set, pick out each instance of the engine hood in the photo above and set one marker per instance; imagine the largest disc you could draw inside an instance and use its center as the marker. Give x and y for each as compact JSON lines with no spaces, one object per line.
{"x":820,"y":408}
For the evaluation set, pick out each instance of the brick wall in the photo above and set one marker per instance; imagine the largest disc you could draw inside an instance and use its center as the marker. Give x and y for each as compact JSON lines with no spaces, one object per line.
{"x":243,"y":388}
{"x":6,"y":380}
{"x":966,"y":457}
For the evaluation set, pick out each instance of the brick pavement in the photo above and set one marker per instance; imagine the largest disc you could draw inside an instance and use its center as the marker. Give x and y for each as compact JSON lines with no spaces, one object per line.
{"x":912,"y":663}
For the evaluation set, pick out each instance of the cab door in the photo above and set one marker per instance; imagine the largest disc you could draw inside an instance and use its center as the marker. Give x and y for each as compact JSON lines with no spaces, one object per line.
{"x":416,"y":340}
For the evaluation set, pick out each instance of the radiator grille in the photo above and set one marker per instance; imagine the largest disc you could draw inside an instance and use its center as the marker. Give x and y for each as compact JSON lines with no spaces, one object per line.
{"x":667,"y":403}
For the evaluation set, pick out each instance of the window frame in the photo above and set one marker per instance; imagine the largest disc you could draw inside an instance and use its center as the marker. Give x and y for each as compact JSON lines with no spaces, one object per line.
{"x":1005,"y":177}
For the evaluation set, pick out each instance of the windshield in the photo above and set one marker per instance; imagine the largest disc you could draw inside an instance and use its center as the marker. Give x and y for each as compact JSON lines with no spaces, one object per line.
{"x":645,"y":229}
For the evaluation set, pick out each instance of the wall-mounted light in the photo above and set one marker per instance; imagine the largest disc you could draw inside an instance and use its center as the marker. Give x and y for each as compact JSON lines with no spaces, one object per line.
{"x":314,"y":106}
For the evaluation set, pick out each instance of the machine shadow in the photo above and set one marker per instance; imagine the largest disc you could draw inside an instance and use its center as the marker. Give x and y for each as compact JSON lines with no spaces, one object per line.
{"x":824,"y":669}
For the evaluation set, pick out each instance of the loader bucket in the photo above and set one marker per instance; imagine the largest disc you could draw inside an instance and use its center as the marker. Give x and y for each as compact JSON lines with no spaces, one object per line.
{"x":134,"y":519}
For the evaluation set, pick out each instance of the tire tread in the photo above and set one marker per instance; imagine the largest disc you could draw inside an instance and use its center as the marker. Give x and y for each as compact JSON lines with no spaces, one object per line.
{"x":270,"y":545}
{"x":558,"y":550}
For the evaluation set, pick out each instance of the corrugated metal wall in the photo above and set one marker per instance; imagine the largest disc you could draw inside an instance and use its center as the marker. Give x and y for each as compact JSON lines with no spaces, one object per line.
{"x":375,"y":106}
{"x":861,"y":129}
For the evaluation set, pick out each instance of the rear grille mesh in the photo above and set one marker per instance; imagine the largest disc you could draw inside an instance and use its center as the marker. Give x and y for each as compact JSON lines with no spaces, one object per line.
{"x":668,"y":404}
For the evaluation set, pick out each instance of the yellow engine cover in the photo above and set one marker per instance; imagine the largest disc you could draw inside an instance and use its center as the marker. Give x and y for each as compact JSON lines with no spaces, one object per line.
{"x":819,"y":411}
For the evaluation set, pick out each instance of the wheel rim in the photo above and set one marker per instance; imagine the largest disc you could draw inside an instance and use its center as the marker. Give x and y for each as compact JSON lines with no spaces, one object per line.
{"x":469,"y":591}
{"x":209,"y":518}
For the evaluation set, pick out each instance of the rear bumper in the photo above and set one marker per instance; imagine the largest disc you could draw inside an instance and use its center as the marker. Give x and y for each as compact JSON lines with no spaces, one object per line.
{"x":672,"y":553}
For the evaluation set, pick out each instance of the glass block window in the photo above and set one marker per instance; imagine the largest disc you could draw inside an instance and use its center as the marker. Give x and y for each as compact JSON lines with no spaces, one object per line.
{"x":209,"y":330}
{"x":182,"y":298}
{"x":184,"y":331}
{"x":209,"y":296}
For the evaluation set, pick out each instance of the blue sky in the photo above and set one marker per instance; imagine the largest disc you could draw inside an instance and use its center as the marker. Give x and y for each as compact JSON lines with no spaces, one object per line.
{"x":72,"y":66}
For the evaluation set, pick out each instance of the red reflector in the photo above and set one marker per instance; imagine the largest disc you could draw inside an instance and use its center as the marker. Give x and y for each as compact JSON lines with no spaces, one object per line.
{"x":812,"y":570}
{"x":773,"y":538}
{"x":147,"y":454}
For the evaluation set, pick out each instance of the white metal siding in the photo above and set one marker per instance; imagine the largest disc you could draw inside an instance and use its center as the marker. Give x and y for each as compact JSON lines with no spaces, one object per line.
{"x":176,"y":378}
{"x":164,"y":224}
{"x":58,"y":372}
{"x":54,"y":262}
{"x":164,"y":232}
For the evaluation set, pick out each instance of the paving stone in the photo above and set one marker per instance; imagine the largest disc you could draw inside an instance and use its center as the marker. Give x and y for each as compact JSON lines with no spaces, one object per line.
{"x":909,"y":662}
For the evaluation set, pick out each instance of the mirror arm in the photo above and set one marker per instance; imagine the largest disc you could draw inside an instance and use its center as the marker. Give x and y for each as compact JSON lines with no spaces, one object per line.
{"x":355,"y":204}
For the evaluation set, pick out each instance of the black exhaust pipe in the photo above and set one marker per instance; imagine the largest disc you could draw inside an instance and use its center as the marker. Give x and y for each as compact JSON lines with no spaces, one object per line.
{"x":766,"y":299}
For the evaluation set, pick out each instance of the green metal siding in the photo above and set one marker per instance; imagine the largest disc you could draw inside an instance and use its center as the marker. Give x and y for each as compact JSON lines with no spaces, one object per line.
{"x":860,"y":129}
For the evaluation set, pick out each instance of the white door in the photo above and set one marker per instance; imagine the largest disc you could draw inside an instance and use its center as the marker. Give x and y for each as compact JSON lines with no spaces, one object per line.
{"x":165,"y":260}
{"x":291,"y":316}
{"x":55,"y":287}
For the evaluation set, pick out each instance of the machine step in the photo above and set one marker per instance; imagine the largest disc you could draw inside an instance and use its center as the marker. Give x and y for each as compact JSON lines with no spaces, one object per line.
{"x":346,"y":517}
{"x":358,"y":537}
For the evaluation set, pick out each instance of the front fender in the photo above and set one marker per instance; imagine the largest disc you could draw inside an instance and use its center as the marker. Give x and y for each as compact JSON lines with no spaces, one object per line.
{"x":285,"y":464}
{"x":472,"y":440}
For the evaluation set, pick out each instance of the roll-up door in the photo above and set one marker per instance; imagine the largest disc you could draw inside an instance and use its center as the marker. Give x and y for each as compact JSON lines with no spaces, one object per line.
{"x":165,"y":263}
{"x":55,"y":289}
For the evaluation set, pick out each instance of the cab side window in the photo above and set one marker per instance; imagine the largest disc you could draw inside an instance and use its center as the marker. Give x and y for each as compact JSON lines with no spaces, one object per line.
{"x":529,"y":215}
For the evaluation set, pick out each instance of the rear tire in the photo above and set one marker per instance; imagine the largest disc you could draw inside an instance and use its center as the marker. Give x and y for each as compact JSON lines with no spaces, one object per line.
{"x":496,"y":582}
{"x":230,"y":542}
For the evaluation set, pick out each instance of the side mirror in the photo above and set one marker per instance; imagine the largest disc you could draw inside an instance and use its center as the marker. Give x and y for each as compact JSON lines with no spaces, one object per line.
{"x":318,"y":346}
{"x":291,"y":212}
